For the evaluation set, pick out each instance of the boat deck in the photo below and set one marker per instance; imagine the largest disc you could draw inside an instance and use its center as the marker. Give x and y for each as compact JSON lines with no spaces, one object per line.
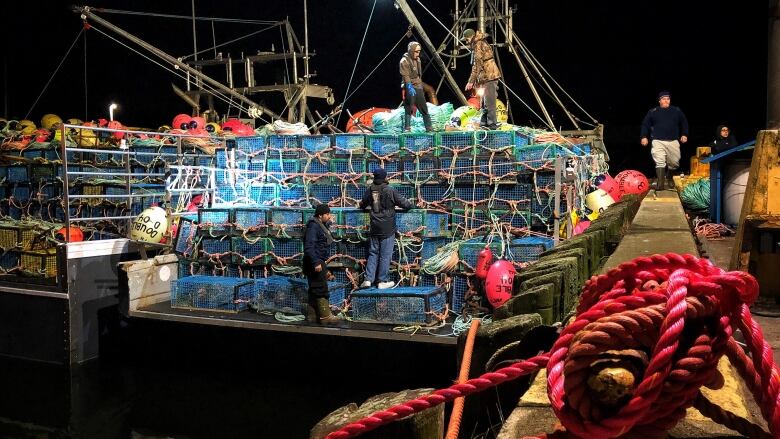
{"x":252,"y":320}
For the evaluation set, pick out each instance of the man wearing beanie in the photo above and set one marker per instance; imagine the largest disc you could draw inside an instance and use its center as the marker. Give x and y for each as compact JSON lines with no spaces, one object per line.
{"x":668,"y":127}
{"x":382,"y":200}
{"x":315,"y":251}
{"x":411,"y":89}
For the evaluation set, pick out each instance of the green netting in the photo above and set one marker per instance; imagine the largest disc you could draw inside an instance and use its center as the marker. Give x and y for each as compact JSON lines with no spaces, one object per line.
{"x":392,"y":122}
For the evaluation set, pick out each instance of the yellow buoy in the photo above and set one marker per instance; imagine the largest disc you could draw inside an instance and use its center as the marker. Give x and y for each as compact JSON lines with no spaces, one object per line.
{"x":150,"y":225}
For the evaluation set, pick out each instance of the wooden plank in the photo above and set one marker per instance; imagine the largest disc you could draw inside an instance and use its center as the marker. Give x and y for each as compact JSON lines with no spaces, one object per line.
{"x":766,"y":157}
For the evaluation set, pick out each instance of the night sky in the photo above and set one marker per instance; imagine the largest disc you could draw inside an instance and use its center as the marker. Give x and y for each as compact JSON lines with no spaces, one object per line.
{"x":612,"y":57}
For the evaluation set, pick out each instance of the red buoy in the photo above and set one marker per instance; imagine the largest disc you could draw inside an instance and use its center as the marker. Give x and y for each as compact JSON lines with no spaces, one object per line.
{"x":484,"y":259}
{"x":499,"y":283}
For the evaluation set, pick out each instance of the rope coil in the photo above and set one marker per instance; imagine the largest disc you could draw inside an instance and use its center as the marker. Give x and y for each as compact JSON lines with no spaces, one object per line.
{"x":679,"y":309}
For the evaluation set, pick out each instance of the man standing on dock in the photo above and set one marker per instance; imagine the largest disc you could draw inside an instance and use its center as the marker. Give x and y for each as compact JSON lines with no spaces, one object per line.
{"x":382,"y":199}
{"x":484,"y":75}
{"x":665,"y":124}
{"x":315,"y":252}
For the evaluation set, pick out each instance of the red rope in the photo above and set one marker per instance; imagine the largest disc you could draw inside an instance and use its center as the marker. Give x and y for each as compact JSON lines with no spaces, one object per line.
{"x":644,"y":304}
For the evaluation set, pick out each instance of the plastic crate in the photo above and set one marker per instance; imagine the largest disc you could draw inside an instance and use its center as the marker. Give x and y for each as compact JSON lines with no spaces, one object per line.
{"x":213,"y":222}
{"x":349,"y":144}
{"x":213,"y":293}
{"x":252,"y":252}
{"x":419,"y":142}
{"x":384,"y":145}
{"x":39,"y":263}
{"x":315,"y":144}
{"x":403,"y":305}
{"x":529,"y":248}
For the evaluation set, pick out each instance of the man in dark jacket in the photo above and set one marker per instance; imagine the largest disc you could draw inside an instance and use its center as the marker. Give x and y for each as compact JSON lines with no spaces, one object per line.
{"x":382,"y":201}
{"x":410,"y":68}
{"x":665,"y":124}
{"x":315,"y":253}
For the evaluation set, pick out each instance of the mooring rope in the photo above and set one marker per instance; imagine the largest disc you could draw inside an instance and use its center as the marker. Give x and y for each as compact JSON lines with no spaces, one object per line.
{"x":644,"y":305}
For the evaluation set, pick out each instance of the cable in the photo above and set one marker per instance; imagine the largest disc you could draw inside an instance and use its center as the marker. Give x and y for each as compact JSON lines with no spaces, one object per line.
{"x":55,"y":73}
{"x":354,"y":67}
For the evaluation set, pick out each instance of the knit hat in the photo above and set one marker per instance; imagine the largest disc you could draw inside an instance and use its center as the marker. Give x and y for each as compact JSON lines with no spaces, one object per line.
{"x":321,"y":209}
{"x":664,"y":94}
{"x":468,"y":33}
{"x":380,"y":174}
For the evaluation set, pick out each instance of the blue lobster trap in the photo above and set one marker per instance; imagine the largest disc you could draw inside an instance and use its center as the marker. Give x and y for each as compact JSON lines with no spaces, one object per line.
{"x":419,"y":142}
{"x":290,"y":295}
{"x":263,"y":194}
{"x":214,"y":249}
{"x":324,"y":194}
{"x":252,"y":251}
{"x":529,"y":248}
{"x":403,"y":305}
{"x":213,"y":293}
{"x":384,"y":144}
{"x":495,"y":140}
{"x":450,"y":141}
{"x":291,"y":250}
{"x":468,"y":252}
{"x":421,"y":170}
{"x":284,"y":146}
{"x":248,"y":220}
{"x":314,"y":144}
{"x":186,"y":237}
{"x":461,"y":289}
{"x":288,"y":222}
{"x":349,"y":144}
{"x":215,"y":221}
{"x":538,"y":157}
{"x":355,"y":222}
{"x":249,"y":145}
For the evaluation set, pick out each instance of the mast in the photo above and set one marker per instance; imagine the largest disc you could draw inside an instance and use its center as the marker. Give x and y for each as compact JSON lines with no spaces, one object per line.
{"x":255,"y":109}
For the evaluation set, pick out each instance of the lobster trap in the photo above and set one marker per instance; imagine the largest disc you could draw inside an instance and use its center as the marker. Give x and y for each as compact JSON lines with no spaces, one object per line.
{"x":213,"y":293}
{"x":403,"y":305}
{"x":290,"y":295}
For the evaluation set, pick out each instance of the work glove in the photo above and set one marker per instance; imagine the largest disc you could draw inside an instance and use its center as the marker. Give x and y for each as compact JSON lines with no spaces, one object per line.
{"x":410,"y":89}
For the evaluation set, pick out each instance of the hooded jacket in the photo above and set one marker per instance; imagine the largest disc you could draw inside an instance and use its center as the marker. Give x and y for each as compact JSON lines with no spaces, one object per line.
{"x":316,"y":244}
{"x":483,"y":66}
{"x":411,"y":69}
{"x":721,"y":143}
{"x":383,"y":207}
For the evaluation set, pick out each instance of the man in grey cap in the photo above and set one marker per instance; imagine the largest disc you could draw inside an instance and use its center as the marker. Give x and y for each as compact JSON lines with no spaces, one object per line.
{"x":668,"y":127}
{"x":410,"y":68}
{"x":382,"y":199}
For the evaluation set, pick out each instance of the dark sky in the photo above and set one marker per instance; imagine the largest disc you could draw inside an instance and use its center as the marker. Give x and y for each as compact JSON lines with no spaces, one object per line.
{"x":612,"y":57}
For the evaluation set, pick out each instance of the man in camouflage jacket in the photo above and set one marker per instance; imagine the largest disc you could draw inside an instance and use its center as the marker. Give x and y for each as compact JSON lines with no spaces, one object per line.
{"x":484,"y":73}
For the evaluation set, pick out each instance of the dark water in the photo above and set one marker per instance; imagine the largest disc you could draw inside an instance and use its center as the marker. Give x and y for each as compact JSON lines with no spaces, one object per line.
{"x":157,"y":379}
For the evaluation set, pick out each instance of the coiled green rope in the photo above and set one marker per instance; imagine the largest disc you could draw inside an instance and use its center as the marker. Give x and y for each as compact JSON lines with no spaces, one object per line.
{"x":696,"y":196}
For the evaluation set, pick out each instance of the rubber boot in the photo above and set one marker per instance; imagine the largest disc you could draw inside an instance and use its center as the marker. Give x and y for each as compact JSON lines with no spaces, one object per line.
{"x":407,"y":123}
{"x":311,"y":311}
{"x":660,"y":180}
{"x":324,"y":314}
{"x":428,"y":123}
{"x":670,"y":177}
